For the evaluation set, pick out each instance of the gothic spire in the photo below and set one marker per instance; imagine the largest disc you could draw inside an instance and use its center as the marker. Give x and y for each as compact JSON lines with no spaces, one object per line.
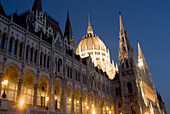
{"x":89,"y":29}
{"x":121,"y":22}
{"x":125,"y":45}
{"x":68,"y":31}
{"x":37,"y":6}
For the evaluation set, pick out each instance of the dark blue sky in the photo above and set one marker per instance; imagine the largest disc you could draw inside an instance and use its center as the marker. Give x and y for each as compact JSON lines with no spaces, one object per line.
{"x":146,"y":21}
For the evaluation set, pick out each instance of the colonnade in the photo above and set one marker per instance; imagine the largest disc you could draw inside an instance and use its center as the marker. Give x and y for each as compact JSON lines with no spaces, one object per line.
{"x":62,"y":96}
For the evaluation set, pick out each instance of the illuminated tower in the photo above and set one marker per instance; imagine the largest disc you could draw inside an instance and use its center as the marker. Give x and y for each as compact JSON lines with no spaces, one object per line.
{"x":138,"y":92}
{"x":128,"y":73}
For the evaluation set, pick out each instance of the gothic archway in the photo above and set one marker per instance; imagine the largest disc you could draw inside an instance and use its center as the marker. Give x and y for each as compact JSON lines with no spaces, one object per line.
{"x":42,"y":92}
{"x":28,"y":88}
{"x":12,"y":75}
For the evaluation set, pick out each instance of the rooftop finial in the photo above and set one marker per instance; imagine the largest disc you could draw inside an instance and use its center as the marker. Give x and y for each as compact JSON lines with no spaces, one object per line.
{"x":89,"y":29}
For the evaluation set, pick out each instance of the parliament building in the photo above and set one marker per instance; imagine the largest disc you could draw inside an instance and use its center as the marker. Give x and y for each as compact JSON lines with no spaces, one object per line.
{"x":43,"y":72}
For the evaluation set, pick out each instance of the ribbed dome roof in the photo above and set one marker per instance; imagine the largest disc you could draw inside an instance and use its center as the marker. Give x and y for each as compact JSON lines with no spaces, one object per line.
{"x":89,"y":41}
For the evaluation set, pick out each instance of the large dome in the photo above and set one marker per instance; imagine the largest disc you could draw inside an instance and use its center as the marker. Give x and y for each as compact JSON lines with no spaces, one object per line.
{"x":92,"y":46}
{"x":90,"y":42}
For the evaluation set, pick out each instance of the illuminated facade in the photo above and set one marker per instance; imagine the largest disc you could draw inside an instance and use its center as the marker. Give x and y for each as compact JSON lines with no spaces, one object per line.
{"x":47,"y":74}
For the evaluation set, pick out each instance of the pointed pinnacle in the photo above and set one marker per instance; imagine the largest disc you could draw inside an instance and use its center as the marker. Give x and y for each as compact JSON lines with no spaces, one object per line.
{"x":121,"y":21}
{"x":89,"y":29}
{"x":139,"y":51}
{"x":68,"y":13}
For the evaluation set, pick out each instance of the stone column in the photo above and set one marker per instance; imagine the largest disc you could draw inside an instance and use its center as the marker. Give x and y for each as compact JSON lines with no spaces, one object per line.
{"x":90,"y":104}
{"x":17,"y":53}
{"x":106,"y":106}
{"x":101,"y":105}
{"x":65,"y":99}
{"x":19,"y":89}
{"x":49,"y":95}
{"x":62,"y":99}
{"x":81,"y":111}
{"x":35,"y":95}
{"x":1,"y":79}
{"x":72,"y":108}
{"x":53,"y":97}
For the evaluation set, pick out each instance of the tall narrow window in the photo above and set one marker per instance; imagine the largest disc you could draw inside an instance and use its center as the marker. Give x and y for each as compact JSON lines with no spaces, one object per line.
{"x":116,"y":91}
{"x":41,"y":57}
{"x":27,"y":52}
{"x":70,"y":73}
{"x":67,"y":71}
{"x":31,"y":54}
{"x":35,"y":56}
{"x":10,"y":45}
{"x":15,"y":47}
{"x":21,"y":49}
{"x":59,"y":65}
{"x":45,"y":57}
{"x":2,"y":42}
{"x":119,"y":91}
{"x":127,"y":64}
{"x":130,"y":89}
{"x":48,"y":62}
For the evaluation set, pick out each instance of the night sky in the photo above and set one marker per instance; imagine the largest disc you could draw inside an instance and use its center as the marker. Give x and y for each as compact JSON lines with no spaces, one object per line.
{"x":146,"y":21}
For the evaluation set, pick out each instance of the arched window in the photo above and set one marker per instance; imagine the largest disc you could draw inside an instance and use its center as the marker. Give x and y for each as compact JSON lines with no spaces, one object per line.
{"x":130,"y":89}
{"x":41,"y":57}
{"x":45,"y":57}
{"x":48,"y":62}
{"x":10,"y":45}
{"x":15,"y":47}
{"x":59,"y":65}
{"x":127,"y":64}
{"x":78,"y":76}
{"x":2,"y":41}
{"x":27,"y":52}
{"x":21,"y":49}
{"x":31,"y":54}
{"x":67,"y":71}
{"x":35,"y":56}
{"x":70,"y":72}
